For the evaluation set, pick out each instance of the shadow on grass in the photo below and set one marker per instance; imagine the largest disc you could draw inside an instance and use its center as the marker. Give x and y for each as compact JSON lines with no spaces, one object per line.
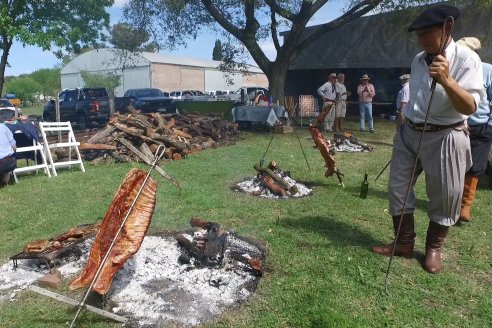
{"x":339,"y":233}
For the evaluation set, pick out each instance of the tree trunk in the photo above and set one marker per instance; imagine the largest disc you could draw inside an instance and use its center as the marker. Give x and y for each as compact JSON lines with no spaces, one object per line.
{"x":276,"y":80}
{"x":6,"y":44}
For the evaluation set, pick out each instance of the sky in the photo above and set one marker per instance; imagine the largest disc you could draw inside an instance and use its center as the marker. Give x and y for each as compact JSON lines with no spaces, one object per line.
{"x":25,"y":60}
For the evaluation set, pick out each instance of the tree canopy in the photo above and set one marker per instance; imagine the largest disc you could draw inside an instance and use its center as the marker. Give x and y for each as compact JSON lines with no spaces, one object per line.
{"x":25,"y":88}
{"x":124,"y":36}
{"x":52,"y":25}
{"x":109,"y":81}
{"x":249,"y":22}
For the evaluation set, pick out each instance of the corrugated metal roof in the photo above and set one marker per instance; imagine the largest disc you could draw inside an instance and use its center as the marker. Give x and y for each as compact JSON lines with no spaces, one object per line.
{"x":111,"y":59}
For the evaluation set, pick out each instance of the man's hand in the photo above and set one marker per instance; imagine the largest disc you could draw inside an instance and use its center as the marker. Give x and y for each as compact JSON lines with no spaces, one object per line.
{"x":439,"y":70}
{"x":463,"y":102}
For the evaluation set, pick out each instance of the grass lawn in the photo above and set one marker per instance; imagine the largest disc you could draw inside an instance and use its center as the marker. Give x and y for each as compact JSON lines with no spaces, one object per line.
{"x":32,"y":110}
{"x":320,"y":271}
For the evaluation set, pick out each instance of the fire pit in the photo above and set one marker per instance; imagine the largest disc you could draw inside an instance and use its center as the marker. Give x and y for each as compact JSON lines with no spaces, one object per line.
{"x":153,"y":288}
{"x":346,"y":142}
{"x":272,"y":182}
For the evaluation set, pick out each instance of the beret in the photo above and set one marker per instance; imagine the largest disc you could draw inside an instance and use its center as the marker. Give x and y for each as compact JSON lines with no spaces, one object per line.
{"x":470,"y":42}
{"x":433,"y":16}
{"x":405,"y":77}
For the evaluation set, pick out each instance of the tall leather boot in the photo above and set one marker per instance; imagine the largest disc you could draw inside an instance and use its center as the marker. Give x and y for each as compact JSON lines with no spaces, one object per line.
{"x":340,"y":123}
{"x":335,"y":125}
{"x":468,"y":197}
{"x":436,"y":234}
{"x":406,"y":238}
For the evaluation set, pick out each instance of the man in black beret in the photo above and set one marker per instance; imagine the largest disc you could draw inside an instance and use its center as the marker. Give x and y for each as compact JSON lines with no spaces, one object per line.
{"x":443,"y":153}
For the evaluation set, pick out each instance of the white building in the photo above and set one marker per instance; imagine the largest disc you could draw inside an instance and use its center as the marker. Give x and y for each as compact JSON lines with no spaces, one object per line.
{"x":154,"y":70}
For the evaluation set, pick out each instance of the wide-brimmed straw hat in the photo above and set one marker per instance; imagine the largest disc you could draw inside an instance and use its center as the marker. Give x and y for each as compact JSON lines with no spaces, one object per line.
{"x":470,"y":42}
{"x":333,"y":75}
{"x":405,"y":77}
{"x":365,"y":77}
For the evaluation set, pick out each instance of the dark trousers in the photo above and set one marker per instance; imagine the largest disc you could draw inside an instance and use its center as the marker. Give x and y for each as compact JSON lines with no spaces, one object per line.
{"x":7,"y":164}
{"x":480,"y":141}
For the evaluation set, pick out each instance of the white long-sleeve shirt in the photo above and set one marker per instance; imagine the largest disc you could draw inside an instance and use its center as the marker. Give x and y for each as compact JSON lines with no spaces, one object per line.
{"x":465,"y":67}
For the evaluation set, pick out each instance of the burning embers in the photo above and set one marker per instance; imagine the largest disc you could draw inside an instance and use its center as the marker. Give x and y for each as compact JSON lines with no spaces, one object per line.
{"x":209,"y":246}
{"x":346,"y":142}
{"x":273,"y":182}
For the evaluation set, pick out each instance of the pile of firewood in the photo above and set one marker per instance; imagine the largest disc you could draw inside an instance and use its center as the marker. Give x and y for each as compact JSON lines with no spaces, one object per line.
{"x":126,"y":137}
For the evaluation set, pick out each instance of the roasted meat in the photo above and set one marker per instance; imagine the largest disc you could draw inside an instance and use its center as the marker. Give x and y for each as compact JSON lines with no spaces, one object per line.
{"x":37,"y":246}
{"x":131,"y":236}
{"x":323,"y":146}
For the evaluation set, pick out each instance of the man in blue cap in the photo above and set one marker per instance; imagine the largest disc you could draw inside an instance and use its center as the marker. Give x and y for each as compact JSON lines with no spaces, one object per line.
{"x":443,"y":153}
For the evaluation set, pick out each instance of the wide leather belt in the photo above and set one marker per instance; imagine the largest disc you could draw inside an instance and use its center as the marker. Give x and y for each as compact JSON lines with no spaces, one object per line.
{"x":429,"y":127}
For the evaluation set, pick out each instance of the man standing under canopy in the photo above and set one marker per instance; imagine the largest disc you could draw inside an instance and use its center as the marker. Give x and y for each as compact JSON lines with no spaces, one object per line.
{"x":444,"y":153}
{"x":328,"y":92}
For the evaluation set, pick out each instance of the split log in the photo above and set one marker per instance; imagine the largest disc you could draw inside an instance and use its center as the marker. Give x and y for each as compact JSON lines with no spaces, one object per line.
{"x":149,"y":161}
{"x":170,"y":124}
{"x":169,"y":142}
{"x":129,"y":130}
{"x":276,"y":188}
{"x":159,"y":120}
{"x":182,"y":134}
{"x":153,"y":147}
{"x":144,"y":148}
{"x":168,"y":153}
{"x":91,"y":146}
{"x":292,"y":189}
{"x":101,"y":136}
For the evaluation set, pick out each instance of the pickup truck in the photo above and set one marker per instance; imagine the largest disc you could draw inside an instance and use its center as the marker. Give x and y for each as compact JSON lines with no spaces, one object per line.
{"x":84,"y":106}
{"x":150,"y":100}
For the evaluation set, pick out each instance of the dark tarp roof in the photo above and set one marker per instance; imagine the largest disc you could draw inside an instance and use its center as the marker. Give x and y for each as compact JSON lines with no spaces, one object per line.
{"x":382,"y":41}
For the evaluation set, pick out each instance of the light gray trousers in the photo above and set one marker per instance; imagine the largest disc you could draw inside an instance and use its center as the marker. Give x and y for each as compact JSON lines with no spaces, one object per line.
{"x":444,"y":157}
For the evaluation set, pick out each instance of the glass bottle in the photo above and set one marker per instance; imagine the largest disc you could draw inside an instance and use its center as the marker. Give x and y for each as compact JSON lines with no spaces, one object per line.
{"x":364,"y":187}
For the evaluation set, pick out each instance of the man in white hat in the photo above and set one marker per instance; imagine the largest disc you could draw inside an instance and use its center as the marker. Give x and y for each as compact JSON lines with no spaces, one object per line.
{"x":328,"y":92}
{"x":480,"y":125}
{"x":366,"y":92}
{"x":434,"y":139}
{"x":403,"y":97}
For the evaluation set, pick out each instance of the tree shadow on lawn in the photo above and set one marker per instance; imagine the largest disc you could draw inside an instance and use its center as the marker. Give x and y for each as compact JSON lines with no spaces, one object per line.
{"x":340,"y":233}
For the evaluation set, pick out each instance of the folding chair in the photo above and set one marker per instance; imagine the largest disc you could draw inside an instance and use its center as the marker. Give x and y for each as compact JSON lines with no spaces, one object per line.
{"x":38,"y":152}
{"x":308,"y":107}
{"x":65,"y":130}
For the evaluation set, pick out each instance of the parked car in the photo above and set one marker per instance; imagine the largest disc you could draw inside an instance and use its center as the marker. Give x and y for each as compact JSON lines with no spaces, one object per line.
{"x":84,"y":106}
{"x":178,"y":95}
{"x":151,"y":100}
{"x":249,"y":93}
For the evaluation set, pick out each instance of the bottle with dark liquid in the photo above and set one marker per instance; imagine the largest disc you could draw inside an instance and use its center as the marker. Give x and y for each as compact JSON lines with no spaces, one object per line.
{"x":364,"y":187}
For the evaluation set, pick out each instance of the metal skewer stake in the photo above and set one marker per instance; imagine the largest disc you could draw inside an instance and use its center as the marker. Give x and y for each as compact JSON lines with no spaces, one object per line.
{"x":158,"y":155}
